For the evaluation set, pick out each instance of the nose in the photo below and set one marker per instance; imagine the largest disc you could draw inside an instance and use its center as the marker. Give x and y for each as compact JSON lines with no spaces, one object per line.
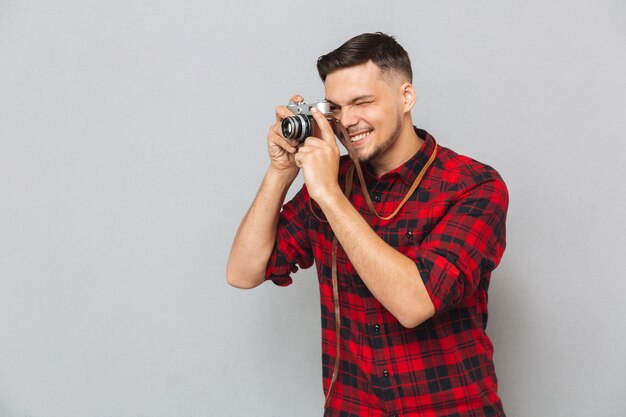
{"x":348,"y":117}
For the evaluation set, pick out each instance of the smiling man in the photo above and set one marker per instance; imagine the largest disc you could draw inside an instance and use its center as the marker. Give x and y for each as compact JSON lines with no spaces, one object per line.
{"x":403,"y":284}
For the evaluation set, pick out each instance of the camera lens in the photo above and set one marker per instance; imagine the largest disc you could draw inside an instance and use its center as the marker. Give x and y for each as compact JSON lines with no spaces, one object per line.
{"x":296,"y":127}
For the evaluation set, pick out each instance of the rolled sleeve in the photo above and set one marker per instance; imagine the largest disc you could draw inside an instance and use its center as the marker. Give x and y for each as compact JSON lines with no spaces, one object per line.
{"x":465,"y":245}
{"x":292,"y":249}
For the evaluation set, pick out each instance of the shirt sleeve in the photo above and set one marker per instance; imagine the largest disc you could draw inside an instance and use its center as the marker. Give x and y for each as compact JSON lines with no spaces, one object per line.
{"x":466,"y":244}
{"x":292,"y":249}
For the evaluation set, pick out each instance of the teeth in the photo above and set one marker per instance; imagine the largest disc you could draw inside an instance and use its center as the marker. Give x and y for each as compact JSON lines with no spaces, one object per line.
{"x":358,"y":137}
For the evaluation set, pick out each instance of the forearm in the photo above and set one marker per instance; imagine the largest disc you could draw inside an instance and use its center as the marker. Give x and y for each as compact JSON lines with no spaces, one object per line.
{"x":254,"y":240}
{"x":392,"y":277}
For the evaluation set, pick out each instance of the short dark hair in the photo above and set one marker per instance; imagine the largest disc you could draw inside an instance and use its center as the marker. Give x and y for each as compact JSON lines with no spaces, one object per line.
{"x":381,"y":49}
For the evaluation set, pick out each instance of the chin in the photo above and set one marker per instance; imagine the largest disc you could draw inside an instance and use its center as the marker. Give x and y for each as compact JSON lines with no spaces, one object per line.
{"x":364,"y":159}
{"x":369,"y":155}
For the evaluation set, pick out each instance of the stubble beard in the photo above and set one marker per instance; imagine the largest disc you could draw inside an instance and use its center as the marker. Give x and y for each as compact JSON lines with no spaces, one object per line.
{"x":381,"y":147}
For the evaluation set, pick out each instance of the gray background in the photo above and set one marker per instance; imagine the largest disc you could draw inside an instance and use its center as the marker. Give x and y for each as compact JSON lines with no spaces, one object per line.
{"x":132,"y":140}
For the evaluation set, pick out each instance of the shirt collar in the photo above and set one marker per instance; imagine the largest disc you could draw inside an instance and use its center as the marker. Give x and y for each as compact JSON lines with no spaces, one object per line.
{"x":408,"y":171}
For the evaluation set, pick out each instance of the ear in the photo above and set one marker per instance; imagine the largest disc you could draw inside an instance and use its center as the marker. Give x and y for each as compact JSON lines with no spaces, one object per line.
{"x":408,"y":96}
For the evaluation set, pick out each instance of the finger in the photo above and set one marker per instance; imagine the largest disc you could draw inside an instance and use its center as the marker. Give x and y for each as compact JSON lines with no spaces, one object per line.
{"x":283,"y":143}
{"x":313,"y":142}
{"x":306,"y":148}
{"x":298,"y":160}
{"x":286,"y":145}
{"x":282,"y":112}
{"x":322,"y":122}
{"x":277,"y":130}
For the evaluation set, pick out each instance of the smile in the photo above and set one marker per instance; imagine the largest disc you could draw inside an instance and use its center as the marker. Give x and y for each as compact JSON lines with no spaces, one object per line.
{"x":359,"y":137}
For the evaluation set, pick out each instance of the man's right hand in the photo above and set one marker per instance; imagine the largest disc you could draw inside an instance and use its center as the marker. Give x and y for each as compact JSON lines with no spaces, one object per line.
{"x":257,"y":232}
{"x":281,"y":150}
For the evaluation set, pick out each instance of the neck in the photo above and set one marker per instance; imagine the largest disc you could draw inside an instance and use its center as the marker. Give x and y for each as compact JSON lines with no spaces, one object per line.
{"x":406,"y":144}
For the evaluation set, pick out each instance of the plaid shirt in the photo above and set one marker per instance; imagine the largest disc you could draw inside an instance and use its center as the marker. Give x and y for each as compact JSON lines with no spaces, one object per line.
{"x":453,"y":227}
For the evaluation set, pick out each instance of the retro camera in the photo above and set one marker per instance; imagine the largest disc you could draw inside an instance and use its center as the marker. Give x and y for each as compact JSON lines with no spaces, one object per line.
{"x":301,"y":125}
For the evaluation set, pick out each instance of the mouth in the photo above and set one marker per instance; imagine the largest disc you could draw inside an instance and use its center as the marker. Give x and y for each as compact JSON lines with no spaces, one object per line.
{"x":359,"y":136}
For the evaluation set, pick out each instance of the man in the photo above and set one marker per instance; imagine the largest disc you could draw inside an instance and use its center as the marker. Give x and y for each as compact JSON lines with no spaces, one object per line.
{"x":411,"y":291}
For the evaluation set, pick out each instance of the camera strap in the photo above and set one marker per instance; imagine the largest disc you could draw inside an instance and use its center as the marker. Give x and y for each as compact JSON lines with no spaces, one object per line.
{"x":344,"y":138}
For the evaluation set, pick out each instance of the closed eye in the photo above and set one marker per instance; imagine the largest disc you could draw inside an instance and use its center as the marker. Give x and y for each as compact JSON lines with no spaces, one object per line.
{"x":363,"y":103}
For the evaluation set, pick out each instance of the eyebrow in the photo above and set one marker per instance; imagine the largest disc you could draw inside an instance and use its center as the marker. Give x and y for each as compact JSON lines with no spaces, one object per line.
{"x":354,"y":100}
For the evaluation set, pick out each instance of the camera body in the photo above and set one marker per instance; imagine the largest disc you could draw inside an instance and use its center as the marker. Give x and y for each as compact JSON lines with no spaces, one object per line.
{"x":302,"y":125}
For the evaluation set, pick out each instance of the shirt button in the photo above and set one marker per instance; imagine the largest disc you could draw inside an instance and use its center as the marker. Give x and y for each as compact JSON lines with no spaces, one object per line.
{"x":376,"y":197}
{"x":393,"y":415}
{"x":385,"y":373}
{"x":375,"y":328}
{"x":409,"y":235}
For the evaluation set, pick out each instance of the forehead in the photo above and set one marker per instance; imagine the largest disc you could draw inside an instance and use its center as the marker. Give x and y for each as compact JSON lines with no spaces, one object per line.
{"x":343,"y":85}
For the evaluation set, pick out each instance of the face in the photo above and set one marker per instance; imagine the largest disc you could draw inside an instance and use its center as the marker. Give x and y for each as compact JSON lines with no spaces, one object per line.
{"x":370,"y":105}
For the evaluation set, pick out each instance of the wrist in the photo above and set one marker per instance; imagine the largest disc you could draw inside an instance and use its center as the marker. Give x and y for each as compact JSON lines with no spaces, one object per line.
{"x":329,"y":197}
{"x":281,"y":176}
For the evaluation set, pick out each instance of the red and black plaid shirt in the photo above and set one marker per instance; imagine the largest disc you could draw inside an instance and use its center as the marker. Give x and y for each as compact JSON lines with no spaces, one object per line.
{"x":453,"y":227}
